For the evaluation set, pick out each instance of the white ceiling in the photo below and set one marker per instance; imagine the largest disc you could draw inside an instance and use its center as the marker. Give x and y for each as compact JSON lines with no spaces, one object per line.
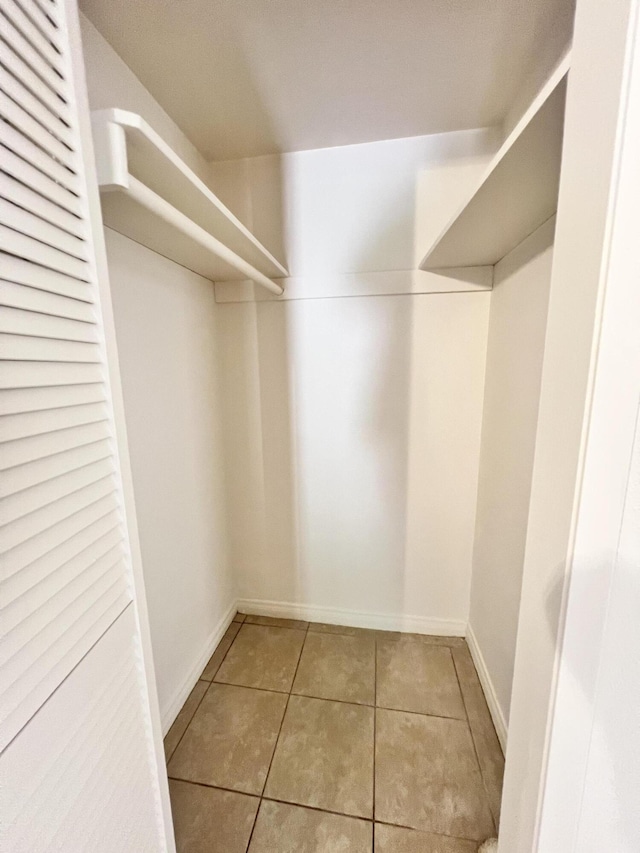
{"x":249,"y":77}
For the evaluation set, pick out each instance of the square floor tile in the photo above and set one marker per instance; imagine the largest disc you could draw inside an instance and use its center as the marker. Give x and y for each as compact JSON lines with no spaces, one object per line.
{"x":206,"y":820}
{"x":427,"y":776}
{"x":239,"y":617}
{"x":221,"y":650}
{"x":394,"y":839}
{"x":283,"y":828}
{"x":262,"y":656}
{"x":230,"y":740}
{"x":183,"y":719}
{"x":276,"y":622}
{"x":324,"y":757}
{"x":333,"y":666}
{"x":417,"y":676}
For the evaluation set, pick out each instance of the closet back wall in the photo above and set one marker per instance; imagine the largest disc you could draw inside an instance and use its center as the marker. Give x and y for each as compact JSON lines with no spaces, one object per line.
{"x":166,"y":330}
{"x":353,"y":423}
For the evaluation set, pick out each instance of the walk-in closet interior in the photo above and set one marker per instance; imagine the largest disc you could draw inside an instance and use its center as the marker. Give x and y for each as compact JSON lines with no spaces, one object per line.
{"x":329,"y":233}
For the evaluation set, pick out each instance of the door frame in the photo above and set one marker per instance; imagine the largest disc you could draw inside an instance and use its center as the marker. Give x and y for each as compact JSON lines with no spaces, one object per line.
{"x":586,"y":429}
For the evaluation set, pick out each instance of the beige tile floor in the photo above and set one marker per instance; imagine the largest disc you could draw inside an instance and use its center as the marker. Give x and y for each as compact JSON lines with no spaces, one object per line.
{"x":310,"y":738}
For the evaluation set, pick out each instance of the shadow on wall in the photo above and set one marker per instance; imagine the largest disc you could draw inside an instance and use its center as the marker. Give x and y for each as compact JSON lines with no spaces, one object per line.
{"x":346,"y":417}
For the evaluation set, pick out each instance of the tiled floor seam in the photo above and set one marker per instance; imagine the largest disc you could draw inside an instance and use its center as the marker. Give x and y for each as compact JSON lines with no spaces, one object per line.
{"x":475,"y":748}
{"x":275,"y":746}
{"x":209,"y":683}
{"x":262,"y":798}
{"x":169,"y":757}
{"x":375,"y":719}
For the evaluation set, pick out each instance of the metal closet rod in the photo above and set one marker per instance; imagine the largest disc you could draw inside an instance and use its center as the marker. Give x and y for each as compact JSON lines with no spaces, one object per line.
{"x":152,"y":201}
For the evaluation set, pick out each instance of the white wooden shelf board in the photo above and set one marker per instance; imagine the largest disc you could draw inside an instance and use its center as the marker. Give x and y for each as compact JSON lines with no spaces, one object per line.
{"x":518,"y":191}
{"x":128,"y":151}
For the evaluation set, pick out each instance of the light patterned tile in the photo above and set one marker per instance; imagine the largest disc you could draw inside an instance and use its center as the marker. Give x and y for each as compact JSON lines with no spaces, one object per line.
{"x":221,"y":650}
{"x":395,"y":839}
{"x":183,"y":719}
{"x":324,"y":757}
{"x":283,"y":828}
{"x":230,"y":740}
{"x":333,"y":666}
{"x":427,"y":776}
{"x":262,"y":656}
{"x":207,"y":820}
{"x":415,"y":676}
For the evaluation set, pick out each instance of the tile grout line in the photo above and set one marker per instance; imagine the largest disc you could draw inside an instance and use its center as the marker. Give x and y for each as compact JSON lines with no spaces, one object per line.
{"x":275,"y":746}
{"x":208,"y":683}
{"x":318,"y":809}
{"x":375,"y":720}
{"x":309,"y":630}
{"x":475,"y":748}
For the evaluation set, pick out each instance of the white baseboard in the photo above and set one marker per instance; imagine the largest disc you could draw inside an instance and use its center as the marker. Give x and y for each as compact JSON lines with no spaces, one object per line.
{"x":353,"y":618}
{"x":487,"y":686}
{"x":170,"y":712}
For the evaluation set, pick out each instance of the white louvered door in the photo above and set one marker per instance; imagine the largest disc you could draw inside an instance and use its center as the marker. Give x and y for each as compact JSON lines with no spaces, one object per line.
{"x":66,"y":586}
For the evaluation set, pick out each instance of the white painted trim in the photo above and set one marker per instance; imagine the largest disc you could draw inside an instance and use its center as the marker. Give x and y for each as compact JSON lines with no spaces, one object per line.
{"x":488,"y":689}
{"x":335,"y":285}
{"x":353,"y":618}
{"x":146,"y":670}
{"x":170,"y":712}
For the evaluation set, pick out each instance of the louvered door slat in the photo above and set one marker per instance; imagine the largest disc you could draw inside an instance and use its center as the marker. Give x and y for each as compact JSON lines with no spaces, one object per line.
{"x":65,"y":590}
{"x":23,"y":476}
{"x":48,"y":8}
{"x":42,"y":302}
{"x":34,"y":84}
{"x":23,"y":374}
{"x":42,"y":44}
{"x":18,"y":271}
{"x":60,"y":140}
{"x":23,"y":47}
{"x":15,"y":321}
{"x":38,"y":496}
{"x":65,"y":563}
{"x":15,"y":533}
{"x":37,"y":228}
{"x":33,"y":250}
{"x":41,"y":446}
{"x":44,"y":544}
{"x":23,"y":348}
{"x":34,"y":681}
{"x":29,"y":424}
{"x":33,"y":189}
{"x":24,"y":121}
{"x":35,"y":11}
{"x":22,"y":400}
{"x":17,"y":142}
{"x":89,"y":542}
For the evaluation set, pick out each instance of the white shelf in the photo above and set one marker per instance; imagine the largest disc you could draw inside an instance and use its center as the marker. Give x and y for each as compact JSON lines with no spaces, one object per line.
{"x":150,"y":195}
{"x":517,"y":192}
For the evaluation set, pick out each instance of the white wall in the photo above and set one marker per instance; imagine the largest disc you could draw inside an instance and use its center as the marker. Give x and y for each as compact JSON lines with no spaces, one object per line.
{"x":111,"y":83}
{"x":353,"y":424}
{"x":165,"y":318}
{"x":515,"y":349}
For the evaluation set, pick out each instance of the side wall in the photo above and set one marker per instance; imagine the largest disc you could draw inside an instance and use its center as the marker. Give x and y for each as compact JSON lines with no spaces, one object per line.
{"x":353,"y":424}
{"x":515,"y":350}
{"x":165,"y":318}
